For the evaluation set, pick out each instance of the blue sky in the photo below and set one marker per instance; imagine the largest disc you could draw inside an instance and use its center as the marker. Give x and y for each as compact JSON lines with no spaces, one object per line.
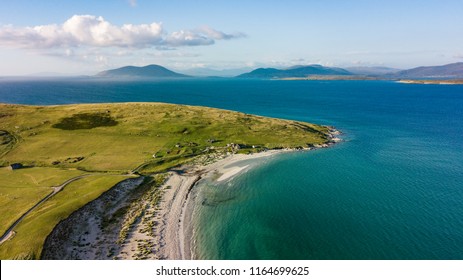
{"x":87,"y":36}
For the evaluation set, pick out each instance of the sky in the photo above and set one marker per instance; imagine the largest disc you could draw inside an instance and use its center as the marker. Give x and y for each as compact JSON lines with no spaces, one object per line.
{"x":88,"y":36}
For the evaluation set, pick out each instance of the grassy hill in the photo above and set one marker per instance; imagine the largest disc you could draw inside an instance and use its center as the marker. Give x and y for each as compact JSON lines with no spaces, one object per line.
{"x":110,"y":142}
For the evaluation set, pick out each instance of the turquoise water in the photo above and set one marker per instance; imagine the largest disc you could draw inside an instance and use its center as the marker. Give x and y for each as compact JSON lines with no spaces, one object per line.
{"x":392,"y":190}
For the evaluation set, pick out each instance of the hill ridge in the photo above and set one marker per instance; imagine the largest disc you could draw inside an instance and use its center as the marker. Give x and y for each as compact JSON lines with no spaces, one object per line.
{"x":148,"y":71}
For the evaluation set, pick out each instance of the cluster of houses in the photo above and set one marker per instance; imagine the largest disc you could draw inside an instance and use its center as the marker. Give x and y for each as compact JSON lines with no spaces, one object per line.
{"x":233,"y":146}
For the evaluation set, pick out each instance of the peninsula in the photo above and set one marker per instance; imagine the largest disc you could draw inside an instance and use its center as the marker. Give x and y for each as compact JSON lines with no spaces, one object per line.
{"x":110,"y":181}
{"x":432,"y":82}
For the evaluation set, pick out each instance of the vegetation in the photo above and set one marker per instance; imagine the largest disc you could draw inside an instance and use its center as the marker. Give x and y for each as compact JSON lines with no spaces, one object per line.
{"x":85,"y":121}
{"x":32,"y":231}
{"x":21,"y":189}
{"x":149,"y":195}
{"x":57,"y":143}
{"x":7,"y":141}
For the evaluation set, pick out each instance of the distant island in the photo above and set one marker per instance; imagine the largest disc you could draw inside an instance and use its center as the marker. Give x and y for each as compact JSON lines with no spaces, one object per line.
{"x":432,"y":82}
{"x":318,"y":72}
{"x":149,"y":71}
{"x":113,"y":171}
{"x":448,"y":72}
{"x":332,"y":78}
{"x":294,"y":72}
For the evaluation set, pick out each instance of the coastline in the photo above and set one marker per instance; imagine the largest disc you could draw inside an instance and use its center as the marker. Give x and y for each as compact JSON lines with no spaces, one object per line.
{"x":431,"y":82}
{"x":165,"y":229}
{"x":178,"y":203}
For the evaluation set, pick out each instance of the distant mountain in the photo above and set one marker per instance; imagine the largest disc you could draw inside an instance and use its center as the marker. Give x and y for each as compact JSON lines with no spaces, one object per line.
{"x":149,"y":71}
{"x":372,"y":70}
{"x":454,"y":70}
{"x":298,"y":71}
{"x":449,"y":71}
{"x":266,"y":73}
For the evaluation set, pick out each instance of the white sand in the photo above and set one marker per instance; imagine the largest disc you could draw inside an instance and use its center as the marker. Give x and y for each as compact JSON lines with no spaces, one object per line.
{"x":231,"y":172}
{"x":171,"y":234}
{"x":174,"y":238}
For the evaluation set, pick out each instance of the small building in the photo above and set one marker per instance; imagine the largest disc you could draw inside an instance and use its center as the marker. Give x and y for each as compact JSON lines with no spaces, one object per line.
{"x":15,"y":166}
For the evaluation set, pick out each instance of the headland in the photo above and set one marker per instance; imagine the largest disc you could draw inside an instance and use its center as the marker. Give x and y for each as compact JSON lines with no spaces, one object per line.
{"x":140,"y":161}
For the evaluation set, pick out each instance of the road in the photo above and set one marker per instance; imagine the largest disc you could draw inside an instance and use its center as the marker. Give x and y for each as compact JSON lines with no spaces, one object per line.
{"x":9,"y":232}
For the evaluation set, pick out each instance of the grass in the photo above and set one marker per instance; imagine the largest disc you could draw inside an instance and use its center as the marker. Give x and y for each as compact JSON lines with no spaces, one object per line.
{"x":21,"y":189}
{"x":149,"y":195}
{"x":85,"y":121}
{"x":32,"y":231}
{"x":7,"y":141}
{"x":61,"y":142}
{"x":120,"y":137}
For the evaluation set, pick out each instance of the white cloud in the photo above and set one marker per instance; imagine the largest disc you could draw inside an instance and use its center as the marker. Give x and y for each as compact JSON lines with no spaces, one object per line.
{"x":189,"y":38}
{"x":219,"y":35}
{"x":92,"y":31}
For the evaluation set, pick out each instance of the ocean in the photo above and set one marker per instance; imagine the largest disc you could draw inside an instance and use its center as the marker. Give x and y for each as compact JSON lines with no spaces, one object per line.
{"x":392,"y":190}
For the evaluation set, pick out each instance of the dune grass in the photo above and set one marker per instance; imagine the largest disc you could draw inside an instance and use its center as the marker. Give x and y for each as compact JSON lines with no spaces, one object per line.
{"x":61,"y":142}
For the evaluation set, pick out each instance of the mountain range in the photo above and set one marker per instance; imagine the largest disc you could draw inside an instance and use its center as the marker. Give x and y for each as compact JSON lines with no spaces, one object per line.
{"x":449,"y":71}
{"x":454,"y":70}
{"x":298,"y":71}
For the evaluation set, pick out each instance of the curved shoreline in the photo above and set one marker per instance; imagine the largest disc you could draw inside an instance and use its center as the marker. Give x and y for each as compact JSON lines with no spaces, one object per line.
{"x":176,"y":207}
{"x":178,"y":204}
{"x":171,"y":228}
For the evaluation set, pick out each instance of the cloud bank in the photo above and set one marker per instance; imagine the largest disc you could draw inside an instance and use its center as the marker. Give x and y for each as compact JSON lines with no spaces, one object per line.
{"x":92,"y":31}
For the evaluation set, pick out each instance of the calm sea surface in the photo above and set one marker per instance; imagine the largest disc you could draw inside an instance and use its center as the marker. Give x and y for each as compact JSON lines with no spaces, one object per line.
{"x":392,"y":190}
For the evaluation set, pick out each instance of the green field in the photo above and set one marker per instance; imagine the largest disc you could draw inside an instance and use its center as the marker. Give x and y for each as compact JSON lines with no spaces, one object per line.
{"x":21,"y":189}
{"x":32,"y":231}
{"x":57,"y":143}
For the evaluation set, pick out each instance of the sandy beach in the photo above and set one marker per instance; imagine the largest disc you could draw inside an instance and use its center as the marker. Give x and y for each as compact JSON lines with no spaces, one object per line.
{"x":162,"y":229}
{"x":175,"y":208}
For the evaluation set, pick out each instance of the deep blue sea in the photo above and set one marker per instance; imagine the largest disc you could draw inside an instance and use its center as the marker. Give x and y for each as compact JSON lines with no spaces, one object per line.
{"x":392,"y":190}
